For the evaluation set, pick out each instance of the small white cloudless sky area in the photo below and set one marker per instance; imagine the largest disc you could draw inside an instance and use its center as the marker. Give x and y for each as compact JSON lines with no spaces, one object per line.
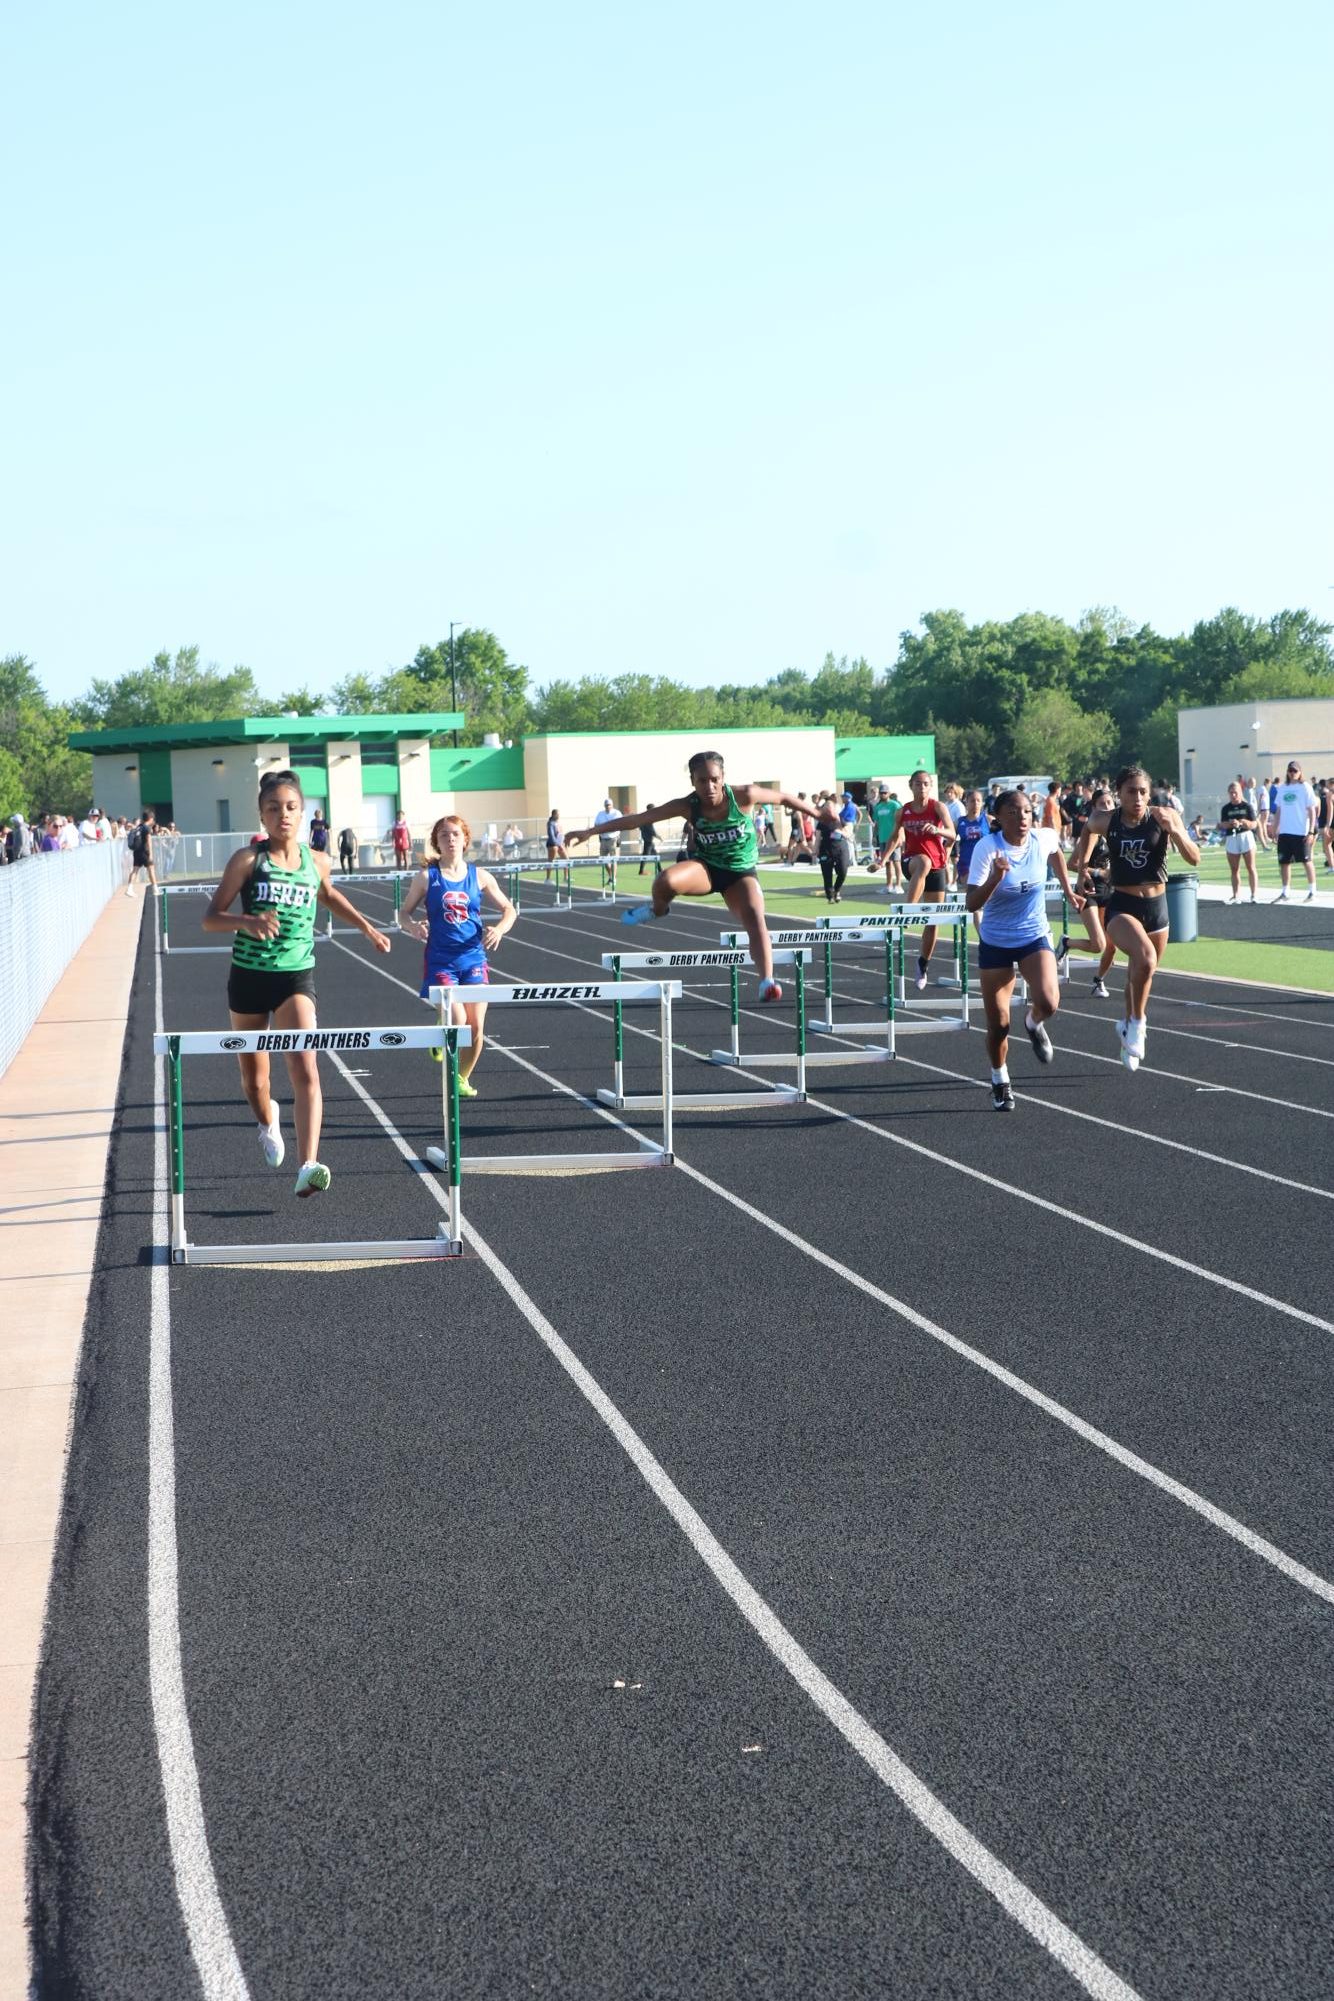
{"x":692,"y":340}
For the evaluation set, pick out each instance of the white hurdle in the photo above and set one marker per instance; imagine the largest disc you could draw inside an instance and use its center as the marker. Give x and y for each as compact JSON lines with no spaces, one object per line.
{"x":820,"y":1058}
{"x":448,"y":1240}
{"x":660,"y":993}
{"x":326,"y":931}
{"x":707,"y":1101}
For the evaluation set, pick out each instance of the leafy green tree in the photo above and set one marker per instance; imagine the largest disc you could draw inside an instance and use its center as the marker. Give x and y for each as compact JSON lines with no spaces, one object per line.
{"x":14,"y":796}
{"x":357,"y":695}
{"x":1054,"y":734}
{"x":171,"y":689}
{"x":52,"y":777}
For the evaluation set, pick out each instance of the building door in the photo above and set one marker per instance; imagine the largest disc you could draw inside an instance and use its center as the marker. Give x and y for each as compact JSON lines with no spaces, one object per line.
{"x":224,"y":816}
{"x":623,"y":798}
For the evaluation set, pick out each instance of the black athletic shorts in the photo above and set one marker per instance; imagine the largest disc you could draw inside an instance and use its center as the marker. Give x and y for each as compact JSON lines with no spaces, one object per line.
{"x":1150,"y":910}
{"x":253,"y":991}
{"x":723,"y":878}
{"x":1294,"y":847}
{"x":936,"y":878}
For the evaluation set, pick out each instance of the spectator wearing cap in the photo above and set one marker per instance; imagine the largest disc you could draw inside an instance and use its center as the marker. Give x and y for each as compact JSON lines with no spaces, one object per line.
{"x":1293,"y":822}
{"x":606,"y":842}
{"x":848,"y":816}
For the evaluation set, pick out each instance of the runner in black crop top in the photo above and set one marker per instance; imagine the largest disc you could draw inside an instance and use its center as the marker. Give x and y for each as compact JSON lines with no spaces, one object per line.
{"x":1138,"y":852}
{"x":1138,"y":836}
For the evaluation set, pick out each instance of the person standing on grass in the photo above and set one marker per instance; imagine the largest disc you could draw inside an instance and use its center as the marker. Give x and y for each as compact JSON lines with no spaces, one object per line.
{"x":726,"y":854}
{"x":925,"y":831}
{"x":347,"y":850}
{"x":401,"y":834}
{"x":1293,"y":811}
{"x":456,"y":937}
{"x":831,"y":849}
{"x":884,"y":817}
{"x":648,"y":843}
{"x":280,"y":884}
{"x":971,"y":827}
{"x":1324,"y":825}
{"x":555,"y":842}
{"x":1237,"y":823}
{"x":1007,"y":891}
{"x":1138,"y":836}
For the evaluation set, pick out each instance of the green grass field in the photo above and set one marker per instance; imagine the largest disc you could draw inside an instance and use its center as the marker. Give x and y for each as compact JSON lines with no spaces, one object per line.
{"x":798,"y":895}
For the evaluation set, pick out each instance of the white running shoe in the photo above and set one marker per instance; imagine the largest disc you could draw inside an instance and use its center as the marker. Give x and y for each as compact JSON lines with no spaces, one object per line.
{"x":1309,"y":896}
{"x":313,"y":1179}
{"x":1282,"y":896}
{"x":1098,"y":991}
{"x":1137,"y":1035}
{"x":271,"y":1142}
{"x":1234,"y":899}
{"x":1128,"y":1056}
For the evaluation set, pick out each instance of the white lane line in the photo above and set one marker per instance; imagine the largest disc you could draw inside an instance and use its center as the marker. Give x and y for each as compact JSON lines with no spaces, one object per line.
{"x":1036,"y":1918}
{"x":1090,"y":1055}
{"x":1251,"y":1013}
{"x":1296,"y":1572}
{"x":1216,"y":1041}
{"x":197,"y":1891}
{"x":1156,"y":1139}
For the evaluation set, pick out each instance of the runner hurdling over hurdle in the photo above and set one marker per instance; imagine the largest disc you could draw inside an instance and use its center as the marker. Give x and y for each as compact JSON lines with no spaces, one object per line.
{"x":726,"y":853}
{"x":280,"y":883}
{"x":456,"y":938}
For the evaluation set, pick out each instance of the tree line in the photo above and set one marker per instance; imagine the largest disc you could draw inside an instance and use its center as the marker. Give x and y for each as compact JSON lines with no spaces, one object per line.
{"x":1032,"y":693}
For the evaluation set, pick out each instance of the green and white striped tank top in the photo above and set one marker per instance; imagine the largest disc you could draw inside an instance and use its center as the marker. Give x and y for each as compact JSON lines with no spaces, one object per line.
{"x":291,"y":893}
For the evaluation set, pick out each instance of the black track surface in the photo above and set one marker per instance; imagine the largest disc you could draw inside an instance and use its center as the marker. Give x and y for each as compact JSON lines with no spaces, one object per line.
{"x":415,"y":1565}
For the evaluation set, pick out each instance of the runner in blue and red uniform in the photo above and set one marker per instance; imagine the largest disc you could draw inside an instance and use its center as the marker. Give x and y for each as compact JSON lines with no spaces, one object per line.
{"x":456,"y":936}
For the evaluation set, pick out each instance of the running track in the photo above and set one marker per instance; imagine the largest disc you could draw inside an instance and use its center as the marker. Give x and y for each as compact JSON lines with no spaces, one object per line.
{"x":829,"y":1567}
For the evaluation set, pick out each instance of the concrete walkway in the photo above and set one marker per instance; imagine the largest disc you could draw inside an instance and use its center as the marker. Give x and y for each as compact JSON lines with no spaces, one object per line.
{"x":57,"y":1104}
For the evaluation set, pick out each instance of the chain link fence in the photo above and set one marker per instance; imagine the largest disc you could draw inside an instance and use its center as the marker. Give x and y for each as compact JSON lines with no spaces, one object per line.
{"x":48,"y":905}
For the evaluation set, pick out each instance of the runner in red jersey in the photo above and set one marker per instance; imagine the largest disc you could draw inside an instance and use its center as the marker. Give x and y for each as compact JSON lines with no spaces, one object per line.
{"x":924,"y":829}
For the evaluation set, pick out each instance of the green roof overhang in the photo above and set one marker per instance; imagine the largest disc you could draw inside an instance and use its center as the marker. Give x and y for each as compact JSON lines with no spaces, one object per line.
{"x":269,"y":729}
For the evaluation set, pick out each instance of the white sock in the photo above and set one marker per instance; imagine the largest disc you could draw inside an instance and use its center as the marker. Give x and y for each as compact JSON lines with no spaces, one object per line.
{"x":1001,"y":1076}
{"x":1029,"y":1022}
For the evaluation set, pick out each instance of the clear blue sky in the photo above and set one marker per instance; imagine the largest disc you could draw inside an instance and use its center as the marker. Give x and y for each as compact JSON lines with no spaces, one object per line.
{"x":692,"y":340}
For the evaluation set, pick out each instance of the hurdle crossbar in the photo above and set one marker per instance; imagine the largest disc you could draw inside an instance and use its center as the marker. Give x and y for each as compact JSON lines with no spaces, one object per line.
{"x":708,"y":1101}
{"x":168,"y":889}
{"x":448,"y":1240}
{"x":821,"y":945}
{"x":621,"y":993}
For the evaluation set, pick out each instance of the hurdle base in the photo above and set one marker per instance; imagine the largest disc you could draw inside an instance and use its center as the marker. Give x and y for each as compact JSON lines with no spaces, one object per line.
{"x":703,"y":1101}
{"x":555,"y":1163}
{"x":328,"y":1253}
{"x":819,"y":1057}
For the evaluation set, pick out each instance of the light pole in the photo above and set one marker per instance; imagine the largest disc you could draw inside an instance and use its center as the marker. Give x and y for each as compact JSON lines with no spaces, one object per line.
{"x":453,"y":679}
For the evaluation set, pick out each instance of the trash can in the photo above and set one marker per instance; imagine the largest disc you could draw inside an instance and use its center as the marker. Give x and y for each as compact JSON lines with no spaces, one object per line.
{"x":1183,"y":905}
{"x":368,"y":856}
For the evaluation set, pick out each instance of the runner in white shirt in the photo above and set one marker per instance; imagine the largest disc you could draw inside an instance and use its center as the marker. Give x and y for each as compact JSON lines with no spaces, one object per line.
{"x":1293,"y":821}
{"x":1007,"y":887}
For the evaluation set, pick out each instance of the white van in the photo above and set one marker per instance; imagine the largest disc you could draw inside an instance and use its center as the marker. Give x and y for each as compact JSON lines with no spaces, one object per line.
{"x":1035,"y":787}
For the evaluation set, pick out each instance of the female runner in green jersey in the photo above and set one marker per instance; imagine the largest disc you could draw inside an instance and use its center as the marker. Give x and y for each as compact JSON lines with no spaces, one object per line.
{"x":722,"y":835}
{"x":280,"y":883}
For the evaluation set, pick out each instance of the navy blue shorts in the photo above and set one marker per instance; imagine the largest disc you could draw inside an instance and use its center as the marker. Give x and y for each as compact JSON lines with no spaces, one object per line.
{"x":991,"y":958}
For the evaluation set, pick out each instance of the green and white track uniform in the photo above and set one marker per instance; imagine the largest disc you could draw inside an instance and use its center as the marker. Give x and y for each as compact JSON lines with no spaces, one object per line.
{"x":728,"y":845}
{"x":294,"y":895}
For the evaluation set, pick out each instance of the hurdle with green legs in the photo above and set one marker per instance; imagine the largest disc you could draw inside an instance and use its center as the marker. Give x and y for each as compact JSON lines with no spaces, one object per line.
{"x":448,"y":1240}
{"x":621,"y":993}
{"x":819,"y":1058}
{"x":708,"y":1101}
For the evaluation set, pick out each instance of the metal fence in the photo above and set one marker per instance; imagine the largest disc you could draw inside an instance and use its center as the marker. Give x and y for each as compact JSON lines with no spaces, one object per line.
{"x":48,"y":905}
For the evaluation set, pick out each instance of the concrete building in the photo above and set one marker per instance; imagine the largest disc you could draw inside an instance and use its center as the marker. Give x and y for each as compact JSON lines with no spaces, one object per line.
{"x":362,"y":770}
{"x":1214,"y":745}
